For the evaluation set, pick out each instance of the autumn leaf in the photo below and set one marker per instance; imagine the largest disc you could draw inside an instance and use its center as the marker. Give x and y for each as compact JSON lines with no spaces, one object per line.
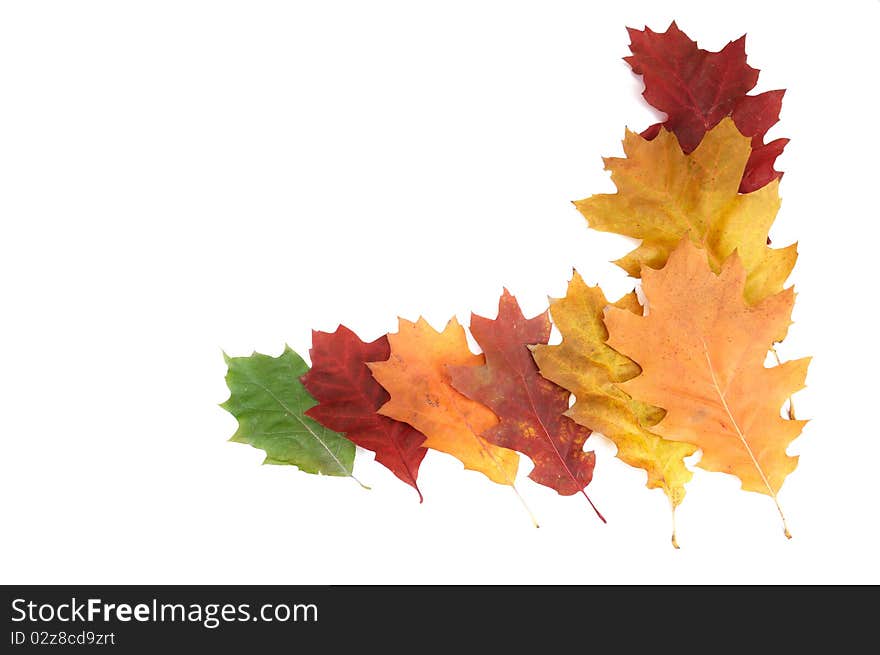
{"x":530,"y":407}
{"x":585,"y":365}
{"x":270,"y":402}
{"x":348,"y":398}
{"x":697,"y":88}
{"x":664,"y":195}
{"x":417,"y":379}
{"x":686,"y":373}
{"x":702,"y":349}
{"x":753,"y":116}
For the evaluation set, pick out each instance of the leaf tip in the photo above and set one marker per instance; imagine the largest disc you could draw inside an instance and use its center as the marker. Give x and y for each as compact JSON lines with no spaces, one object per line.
{"x":740,"y":42}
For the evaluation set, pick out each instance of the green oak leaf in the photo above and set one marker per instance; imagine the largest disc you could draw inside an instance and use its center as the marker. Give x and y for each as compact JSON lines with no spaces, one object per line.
{"x":269,"y":401}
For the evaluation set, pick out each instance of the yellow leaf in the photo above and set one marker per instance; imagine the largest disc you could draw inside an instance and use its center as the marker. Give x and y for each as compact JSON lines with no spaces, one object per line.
{"x":422,"y":395}
{"x":586,"y":366}
{"x":664,"y":195}
{"x":702,"y":349}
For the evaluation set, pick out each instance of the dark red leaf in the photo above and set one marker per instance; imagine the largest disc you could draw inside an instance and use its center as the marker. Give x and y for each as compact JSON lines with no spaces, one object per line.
{"x":651,"y":133}
{"x":759,"y":169}
{"x":754,"y":115}
{"x":348,"y":398}
{"x":529,"y":406}
{"x":696,"y":88}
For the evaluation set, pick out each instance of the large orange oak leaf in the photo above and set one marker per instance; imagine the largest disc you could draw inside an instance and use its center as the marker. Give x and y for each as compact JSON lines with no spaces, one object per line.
{"x":702,"y":350}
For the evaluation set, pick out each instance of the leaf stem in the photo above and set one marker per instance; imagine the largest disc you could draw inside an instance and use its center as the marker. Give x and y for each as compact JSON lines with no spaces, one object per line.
{"x":363,"y":486}
{"x":784,"y":524}
{"x":674,"y":540}
{"x":598,"y":513}
{"x":524,"y":504}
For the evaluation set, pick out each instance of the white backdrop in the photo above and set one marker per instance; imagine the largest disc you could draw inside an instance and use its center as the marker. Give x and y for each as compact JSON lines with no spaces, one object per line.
{"x":178,"y":178}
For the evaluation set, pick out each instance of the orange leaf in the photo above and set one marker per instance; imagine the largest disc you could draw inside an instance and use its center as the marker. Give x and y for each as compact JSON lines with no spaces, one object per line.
{"x":422,"y":395}
{"x":702,"y":349}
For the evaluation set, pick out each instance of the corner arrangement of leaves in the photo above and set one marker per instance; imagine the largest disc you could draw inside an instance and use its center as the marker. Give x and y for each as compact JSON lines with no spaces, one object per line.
{"x":680,"y":371}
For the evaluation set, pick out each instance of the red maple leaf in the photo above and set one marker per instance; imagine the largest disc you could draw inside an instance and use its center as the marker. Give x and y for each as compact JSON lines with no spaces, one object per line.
{"x":696,"y":88}
{"x":348,"y":398}
{"x":530,"y":407}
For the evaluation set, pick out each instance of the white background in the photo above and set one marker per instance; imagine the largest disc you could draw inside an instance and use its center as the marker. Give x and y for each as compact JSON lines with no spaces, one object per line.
{"x":178,"y":178}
